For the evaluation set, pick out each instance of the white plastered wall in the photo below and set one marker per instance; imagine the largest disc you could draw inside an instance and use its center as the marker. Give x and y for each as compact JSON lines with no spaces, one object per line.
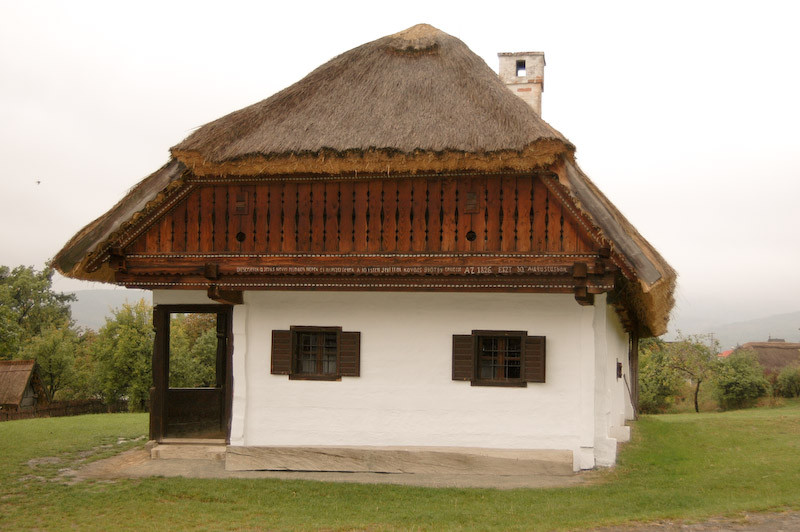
{"x":405,"y":395}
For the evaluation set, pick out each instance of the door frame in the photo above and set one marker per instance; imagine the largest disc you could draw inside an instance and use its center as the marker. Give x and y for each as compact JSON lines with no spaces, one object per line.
{"x":158,"y":392}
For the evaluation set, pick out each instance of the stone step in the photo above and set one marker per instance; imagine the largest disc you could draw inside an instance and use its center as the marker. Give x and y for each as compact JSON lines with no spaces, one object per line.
{"x":188,"y":451}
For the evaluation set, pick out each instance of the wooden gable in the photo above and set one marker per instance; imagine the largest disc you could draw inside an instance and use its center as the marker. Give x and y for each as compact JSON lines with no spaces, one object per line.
{"x":444,"y":232}
{"x":513,"y":213}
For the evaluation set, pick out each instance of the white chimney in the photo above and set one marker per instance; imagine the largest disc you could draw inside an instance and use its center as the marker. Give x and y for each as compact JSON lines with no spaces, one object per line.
{"x":523,"y":73}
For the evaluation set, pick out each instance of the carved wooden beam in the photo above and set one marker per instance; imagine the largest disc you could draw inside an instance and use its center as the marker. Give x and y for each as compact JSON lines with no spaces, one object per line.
{"x":228,"y":297}
{"x":211,"y":271}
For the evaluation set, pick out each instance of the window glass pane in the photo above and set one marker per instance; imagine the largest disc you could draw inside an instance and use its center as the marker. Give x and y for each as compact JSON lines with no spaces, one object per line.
{"x":500,"y":358}
{"x":192,"y":350}
{"x":329,"y":364}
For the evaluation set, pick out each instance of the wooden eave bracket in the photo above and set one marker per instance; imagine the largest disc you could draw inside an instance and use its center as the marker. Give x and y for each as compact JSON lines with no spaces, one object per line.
{"x":580,"y":274}
{"x":116,"y":260}
{"x":227,"y":297}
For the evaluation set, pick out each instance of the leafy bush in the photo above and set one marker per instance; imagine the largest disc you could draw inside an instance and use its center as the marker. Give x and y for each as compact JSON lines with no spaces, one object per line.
{"x":788,"y":382}
{"x":659,"y":383}
{"x":740,"y":380}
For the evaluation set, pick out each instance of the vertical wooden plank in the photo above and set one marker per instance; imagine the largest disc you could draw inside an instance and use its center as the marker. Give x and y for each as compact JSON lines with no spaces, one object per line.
{"x":151,"y":239}
{"x":540,"y":194}
{"x":524,"y":217}
{"x":220,"y":218}
{"x":584,"y":244}
{"x":389,"y":237}
{"x":165,"y":233}
{"x":332,"y":214}
{"x":479,"y":218}
{"x":193,"y":222}
{"x":463,"y":219}
{"x":404,"y":210}
{"x":206,"y":218}
{"x":234,"y":220}
{"x":419,"y":193}
{"x":434,"y":215}
{"x":317,"y":216}
{"x":260,"y":210}
{"x":246,"y":222}
{"x":570,"y":242}
{"x":493,"y":214}
{"x":289,"y":216}
{"x":375,"y":226}
{"x":303,"y":216}
{"x":137,"y":246}
{"x":346,"y":190}
{"x":179,"y":228}
{"x":361,"y":207}
{"x":275,"y":214}
{"x":449,"y":220}
{"x":509,"y":224}
{"x":555,"y":228}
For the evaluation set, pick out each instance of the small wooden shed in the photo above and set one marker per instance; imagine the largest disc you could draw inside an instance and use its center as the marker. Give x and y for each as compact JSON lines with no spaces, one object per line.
{"x":398,"y":251}
{"x":21,"y":388}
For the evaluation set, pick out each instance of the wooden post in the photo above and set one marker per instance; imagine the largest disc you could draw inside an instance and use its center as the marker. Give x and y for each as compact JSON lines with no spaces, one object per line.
{"x":633,"y":363}
{"x":160,"y":373}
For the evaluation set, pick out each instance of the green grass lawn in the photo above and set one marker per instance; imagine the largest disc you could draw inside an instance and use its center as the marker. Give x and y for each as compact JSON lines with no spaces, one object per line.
{"x":678,"y":466}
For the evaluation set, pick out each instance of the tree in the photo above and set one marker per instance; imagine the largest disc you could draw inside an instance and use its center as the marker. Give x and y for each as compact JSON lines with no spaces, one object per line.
{"x":659,"y":383}
{"x":788,"y":382}
{"x":740,"y":380}
{"x":29,"y":306}
{"x":695,"y":360}
{"x":192,"y":350}
{"x":123,"y":353}
{"x":54,"y":351}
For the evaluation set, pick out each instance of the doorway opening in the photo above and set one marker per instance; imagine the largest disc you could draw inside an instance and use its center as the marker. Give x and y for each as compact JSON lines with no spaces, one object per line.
{"x":191,"y":394}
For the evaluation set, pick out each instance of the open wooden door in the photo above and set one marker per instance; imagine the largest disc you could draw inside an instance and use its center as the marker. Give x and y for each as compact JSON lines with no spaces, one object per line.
{"x":192,"y":385}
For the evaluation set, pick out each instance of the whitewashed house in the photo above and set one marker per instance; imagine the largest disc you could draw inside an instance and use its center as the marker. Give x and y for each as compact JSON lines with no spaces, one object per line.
{"x":404,"y":263}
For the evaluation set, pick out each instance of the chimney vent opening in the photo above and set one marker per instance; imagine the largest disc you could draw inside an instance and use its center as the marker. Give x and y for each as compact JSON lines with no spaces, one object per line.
{"x":521,"y":71}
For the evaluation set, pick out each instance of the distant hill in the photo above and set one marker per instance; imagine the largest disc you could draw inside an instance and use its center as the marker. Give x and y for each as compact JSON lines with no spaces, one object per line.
{"x":785,"y":326}
{"x":92,"y":306}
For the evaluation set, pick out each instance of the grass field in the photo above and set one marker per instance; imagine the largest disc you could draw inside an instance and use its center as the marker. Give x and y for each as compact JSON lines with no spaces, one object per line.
{"x":679,"y":466}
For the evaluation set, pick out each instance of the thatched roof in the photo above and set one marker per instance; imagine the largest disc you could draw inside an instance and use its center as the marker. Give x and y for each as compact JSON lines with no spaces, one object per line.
{"x":418,"y":100}
{"x":653,"y":292}
{"x":72,"y":257}
{"x":14,"y":378}
{"x":413,"y":102}
{"x":774,"y":356}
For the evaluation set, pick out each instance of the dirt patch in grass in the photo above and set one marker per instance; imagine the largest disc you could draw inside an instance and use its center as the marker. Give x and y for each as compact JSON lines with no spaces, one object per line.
{"x":749,"y":522}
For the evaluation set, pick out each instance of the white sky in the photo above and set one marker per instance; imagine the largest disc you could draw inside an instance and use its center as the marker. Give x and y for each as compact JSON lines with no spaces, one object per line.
{"x":685,"y":114}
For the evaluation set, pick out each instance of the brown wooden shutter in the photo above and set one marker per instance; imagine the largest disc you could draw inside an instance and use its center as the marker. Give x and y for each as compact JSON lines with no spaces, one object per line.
{"x":534,"y":358}
{"x":350,"y":354}
{"x":463,"y":357}
{"x":281,"y":353}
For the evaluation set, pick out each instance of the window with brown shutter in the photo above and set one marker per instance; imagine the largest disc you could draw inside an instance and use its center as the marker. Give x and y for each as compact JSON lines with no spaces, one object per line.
{"x":316,"y":353}
{"x":499,"y":358}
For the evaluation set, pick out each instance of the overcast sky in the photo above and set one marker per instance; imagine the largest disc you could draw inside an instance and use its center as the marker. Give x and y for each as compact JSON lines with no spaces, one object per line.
{"x":685,"y":114}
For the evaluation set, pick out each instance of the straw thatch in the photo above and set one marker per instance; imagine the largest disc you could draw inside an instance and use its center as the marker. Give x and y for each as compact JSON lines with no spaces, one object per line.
{"x":72,"y":258}
{"x":652,"y":296}
{"x":774,"y":356}
{"x":15,"y":375}
{"x":418,"y":100}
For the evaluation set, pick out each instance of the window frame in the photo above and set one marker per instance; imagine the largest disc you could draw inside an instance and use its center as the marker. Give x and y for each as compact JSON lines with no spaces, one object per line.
{"x":478,"y":336}
{"x":284,"y":359}
{"x":296,"y":373}
{"x":466,"y":358}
